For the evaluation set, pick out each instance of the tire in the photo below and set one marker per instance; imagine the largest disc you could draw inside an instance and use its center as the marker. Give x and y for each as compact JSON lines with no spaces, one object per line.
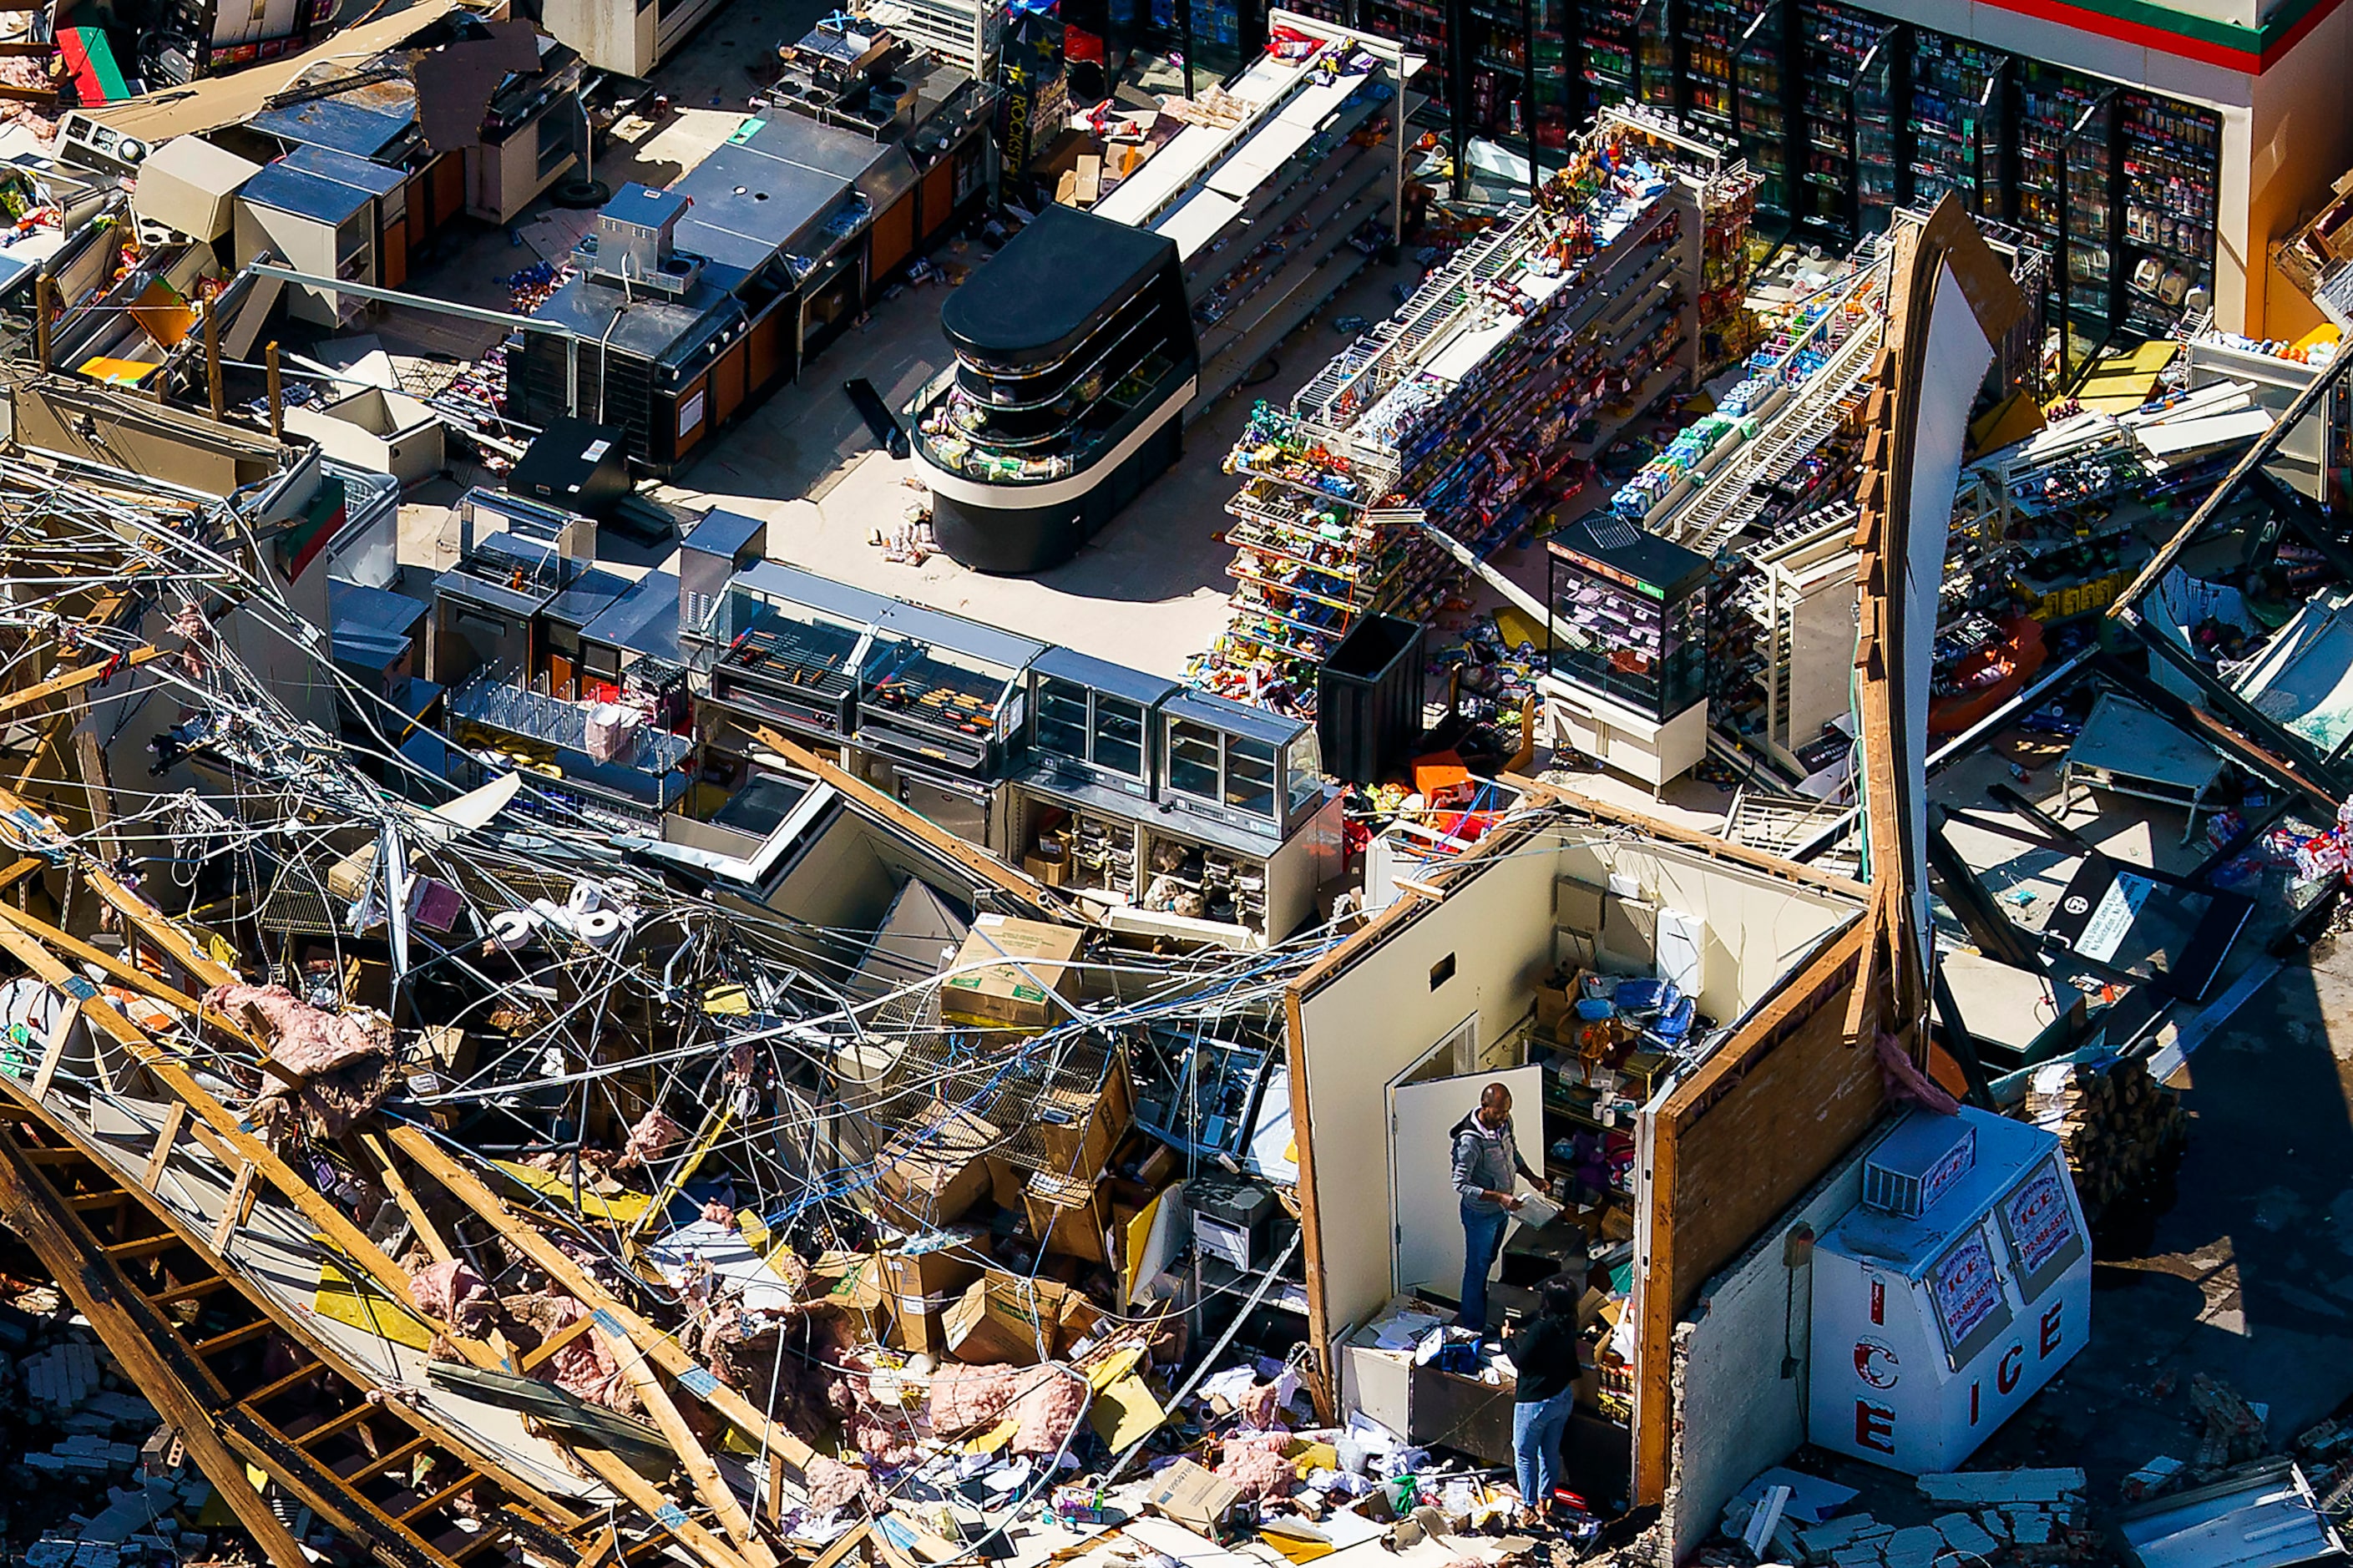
{"x":581,"y":194}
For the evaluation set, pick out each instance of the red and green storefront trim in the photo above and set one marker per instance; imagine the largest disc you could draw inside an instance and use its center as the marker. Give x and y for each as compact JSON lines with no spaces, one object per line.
{"x":2232,"y":46}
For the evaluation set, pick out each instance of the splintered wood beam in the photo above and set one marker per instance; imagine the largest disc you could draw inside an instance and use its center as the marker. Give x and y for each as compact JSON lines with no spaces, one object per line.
{"x":52,"y":730}
{"x":199,"y":963}
{"x":709,"y":1484}
{"x":130,"y":974}
{"x":988,"y":868}
{"x":405,"y":1196}
{"x":331,"y":1221}
{"x":99,"y":1290}
{"x":534,"y":1510}
{"x":233,"y":1212}
{"x":175,"y":1116}
{"x":554,"y":1343}
{"x":666,"y":1352}
{"x":74,"y":680}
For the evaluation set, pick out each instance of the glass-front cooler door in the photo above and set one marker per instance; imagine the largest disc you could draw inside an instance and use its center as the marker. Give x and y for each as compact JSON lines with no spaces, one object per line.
{"x":1835,"y":41}
{"x":1760,"y":105}
{"x":1878,"y":170}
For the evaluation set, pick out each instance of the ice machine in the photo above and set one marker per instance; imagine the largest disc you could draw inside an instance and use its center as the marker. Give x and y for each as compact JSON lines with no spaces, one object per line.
{"x":1950,"y":1294}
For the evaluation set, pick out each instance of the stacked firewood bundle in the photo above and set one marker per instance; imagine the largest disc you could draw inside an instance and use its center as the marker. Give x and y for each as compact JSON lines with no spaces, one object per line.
{"x":2122,"y":1128}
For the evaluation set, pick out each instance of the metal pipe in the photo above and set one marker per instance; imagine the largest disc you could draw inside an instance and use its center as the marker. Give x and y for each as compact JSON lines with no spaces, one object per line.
{"x":1266,"y":1283}
{"x":396,"y":297}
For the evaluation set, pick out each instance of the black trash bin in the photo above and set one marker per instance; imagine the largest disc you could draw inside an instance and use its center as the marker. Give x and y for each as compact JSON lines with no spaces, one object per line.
{"x":1368,"y":700}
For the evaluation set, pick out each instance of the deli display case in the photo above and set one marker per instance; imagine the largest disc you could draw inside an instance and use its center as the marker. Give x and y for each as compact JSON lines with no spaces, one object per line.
{"x":1090,"y":723}
{"x":1178,"y":813}
{"x":1241,"y":765}
{"x":938,"y":688}
{"x":791,"y":648}
{"x":1065,"y":397}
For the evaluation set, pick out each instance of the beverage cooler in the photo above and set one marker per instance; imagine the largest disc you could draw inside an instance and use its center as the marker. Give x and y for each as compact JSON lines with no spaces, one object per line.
{"x":1955,"y":1289}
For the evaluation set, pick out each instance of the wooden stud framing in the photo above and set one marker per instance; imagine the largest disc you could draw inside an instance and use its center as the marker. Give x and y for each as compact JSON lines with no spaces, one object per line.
{"x":72,"y":1257}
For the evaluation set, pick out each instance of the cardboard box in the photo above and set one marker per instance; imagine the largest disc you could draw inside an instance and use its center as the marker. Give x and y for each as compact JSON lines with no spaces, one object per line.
{"x":1553,"y":1003}
{"x":851,"y":1284}
{"x":1080,"y":1318}
{"x":923,"y":1279}
{"x":1003,"y":1317}
{"x":1006,"y":1180}
{"x":1009,"y":972}
{"x":1068,"y":1216}
{"x":935,"y":1170}
{"x":1196,"y":1497}
{"x":1076,"y":1130}
{"x":1054,"y":873}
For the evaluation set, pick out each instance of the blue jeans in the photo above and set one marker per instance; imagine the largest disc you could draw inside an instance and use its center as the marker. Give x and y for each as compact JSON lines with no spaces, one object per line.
{"x":1483,"y":1238}
{"x":1536,"y":1445}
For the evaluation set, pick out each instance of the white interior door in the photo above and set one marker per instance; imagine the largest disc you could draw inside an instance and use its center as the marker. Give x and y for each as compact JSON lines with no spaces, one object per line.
{"x":1426,"y":1243}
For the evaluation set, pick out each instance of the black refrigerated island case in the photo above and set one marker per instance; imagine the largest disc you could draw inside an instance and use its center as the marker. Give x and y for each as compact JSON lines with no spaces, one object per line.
{"x":1075,"y":358}
{"x":1629,"y":613}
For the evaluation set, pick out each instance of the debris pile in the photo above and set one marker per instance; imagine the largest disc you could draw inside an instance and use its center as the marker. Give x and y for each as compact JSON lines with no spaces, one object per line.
{"x":1988,"y":1517}
{"x":2124,"y":1131}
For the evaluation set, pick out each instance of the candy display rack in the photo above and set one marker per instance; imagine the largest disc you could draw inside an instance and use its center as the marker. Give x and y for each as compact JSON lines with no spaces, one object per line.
{"x":1480,"y":401}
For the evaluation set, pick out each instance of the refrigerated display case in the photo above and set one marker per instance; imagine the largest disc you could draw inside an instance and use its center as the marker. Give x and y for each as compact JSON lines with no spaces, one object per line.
{"x":1712,"y":31}
{"x":2170,"y":152}
{"x":1629,"y":616}
{"x":1519,"y":77}
{"x":2067,"y":195}
{"x":1878,"y":158}
{"x":1760,"y":105}
{"x":1957,"y":119}
{"x":1421,"y":26}
{"x":1654,"y":54}
{"x":1609,"y":53}
{"x":790,"y":647}
{"x":1836,"y":41}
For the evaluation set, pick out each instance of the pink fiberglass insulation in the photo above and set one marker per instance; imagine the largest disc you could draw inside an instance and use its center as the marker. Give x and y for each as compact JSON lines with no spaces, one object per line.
{"x":1044,"y":1403}
{"x":583,"y":1368}
{"x":832,"y":1484}
{"x":303,"y":1037}
{"x":1254,"y":1462}
{"x":454,"y":1293}
{"x":653,"y":1136}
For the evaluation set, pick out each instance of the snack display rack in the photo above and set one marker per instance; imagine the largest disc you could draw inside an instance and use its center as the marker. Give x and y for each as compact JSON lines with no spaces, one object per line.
{"x":1761,"y":484}
{"x":1478,"y":401}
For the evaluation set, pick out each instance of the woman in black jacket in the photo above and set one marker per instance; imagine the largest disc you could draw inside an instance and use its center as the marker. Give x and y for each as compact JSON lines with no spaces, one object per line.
{"x":1544,"y":1349}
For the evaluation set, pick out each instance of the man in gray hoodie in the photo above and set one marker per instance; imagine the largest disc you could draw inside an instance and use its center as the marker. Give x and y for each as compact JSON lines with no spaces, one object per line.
{"x":1486,"y":1159}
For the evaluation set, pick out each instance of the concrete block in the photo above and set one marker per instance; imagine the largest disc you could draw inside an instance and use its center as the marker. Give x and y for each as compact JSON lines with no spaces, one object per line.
{"x":1963,"y":1533}
{"x":1858,"y":1557}
{"x":2030,"y":1530}
{"x":1829,"y":1537}
{"x":1983,"y":1489}
{"x":1914,"y":1548}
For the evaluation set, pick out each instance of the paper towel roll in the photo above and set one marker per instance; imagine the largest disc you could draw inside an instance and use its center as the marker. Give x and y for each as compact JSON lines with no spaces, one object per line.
{"x":514,"y":929}
{"x":597,"y":928}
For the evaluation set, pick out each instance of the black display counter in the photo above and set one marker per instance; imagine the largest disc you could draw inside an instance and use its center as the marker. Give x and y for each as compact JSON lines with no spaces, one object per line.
{"x":1075,"y":358}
